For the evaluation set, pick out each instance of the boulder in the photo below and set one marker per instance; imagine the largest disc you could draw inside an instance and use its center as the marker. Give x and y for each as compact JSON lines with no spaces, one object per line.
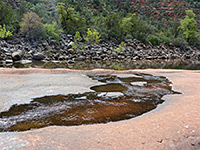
{"x":38,"y":56}
{"x":16,"y":56}
{"x":81,"y":58}
{"x":70,"y":61}
{"x":70,"y":45}
{"x":8,"y":61}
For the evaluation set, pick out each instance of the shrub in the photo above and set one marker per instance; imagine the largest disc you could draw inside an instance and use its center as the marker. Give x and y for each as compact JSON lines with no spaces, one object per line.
{"x":92,"y":36}
{"x":180,"y":42}
{"x":4,"y":33}
{"x":32,"y":26}
{"x":128,"y":36}
{"x":155,"y":40}
{"x":77,"y":37}
{"x":122,"y":45}
{"x":53,"y":30}
{"x":77,"y":41}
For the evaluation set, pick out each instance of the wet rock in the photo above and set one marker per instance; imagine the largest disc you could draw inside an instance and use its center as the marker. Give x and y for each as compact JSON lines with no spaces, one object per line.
{"x":38,"y":56}
{"x":8,"y":61}
{"x":26,"y":61}
{"x":70,"y":62}
{"x":96,"y":58}
{"x":81,"y":58}
{"x":16,"y":56}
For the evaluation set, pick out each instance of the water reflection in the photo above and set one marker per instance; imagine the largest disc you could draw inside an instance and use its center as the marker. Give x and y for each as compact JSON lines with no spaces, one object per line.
{"x":123,"y":65}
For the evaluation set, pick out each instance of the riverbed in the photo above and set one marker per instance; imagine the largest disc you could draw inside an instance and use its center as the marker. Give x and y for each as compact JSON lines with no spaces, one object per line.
{"x":172,"y":125}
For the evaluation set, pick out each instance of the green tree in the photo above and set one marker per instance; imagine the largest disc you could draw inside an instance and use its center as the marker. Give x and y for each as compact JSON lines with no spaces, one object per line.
{"x":7,"y":15}
{"x":70,"y":20}
{"x":53,"y":30}
{"x":110,"y":27}
{"x":189,"y":26}
{"x":32,"y":26}
{"x":129,"y":24}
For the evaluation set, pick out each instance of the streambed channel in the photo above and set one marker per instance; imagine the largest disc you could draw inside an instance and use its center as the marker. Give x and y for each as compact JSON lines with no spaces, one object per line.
{"x":116,"y":98}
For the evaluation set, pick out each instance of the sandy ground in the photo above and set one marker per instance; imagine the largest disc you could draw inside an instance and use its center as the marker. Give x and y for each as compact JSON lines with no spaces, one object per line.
{"x":174,"y":125}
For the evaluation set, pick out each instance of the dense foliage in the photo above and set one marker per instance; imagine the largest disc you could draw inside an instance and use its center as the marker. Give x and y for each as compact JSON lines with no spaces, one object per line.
{"x":150,"y":21}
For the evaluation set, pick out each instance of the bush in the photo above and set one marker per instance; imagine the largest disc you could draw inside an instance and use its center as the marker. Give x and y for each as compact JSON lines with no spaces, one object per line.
{"x":77,"y":41}
{"x":155,"y":40}
{"x":32,"y":26}
{"x":53,"y":30}
{"x":92,"y":36}
{"x":4,"y":33}
{"x":180,"y":42}
{"x":158,"y":39}
{"x":122,"y":45}
{"x":128,"y":36}
{"x":77,"y":37}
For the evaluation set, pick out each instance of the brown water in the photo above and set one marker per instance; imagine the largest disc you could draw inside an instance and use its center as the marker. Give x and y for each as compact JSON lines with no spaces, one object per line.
{"x":113,"y":100}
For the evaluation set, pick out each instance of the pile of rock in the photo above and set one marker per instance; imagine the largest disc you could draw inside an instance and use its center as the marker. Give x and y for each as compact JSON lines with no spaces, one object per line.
{"x":18,"y":49}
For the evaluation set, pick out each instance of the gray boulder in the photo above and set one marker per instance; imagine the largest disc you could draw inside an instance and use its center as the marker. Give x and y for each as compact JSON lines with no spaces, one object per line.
{"x":16,"y":56}
{"x":38,"y":56}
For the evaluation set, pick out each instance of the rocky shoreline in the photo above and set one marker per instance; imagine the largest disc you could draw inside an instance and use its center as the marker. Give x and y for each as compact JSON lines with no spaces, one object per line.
{"x":19,"y":49}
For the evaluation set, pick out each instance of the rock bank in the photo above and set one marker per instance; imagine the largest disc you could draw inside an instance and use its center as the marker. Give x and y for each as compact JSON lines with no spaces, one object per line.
{"x":17,"y":49}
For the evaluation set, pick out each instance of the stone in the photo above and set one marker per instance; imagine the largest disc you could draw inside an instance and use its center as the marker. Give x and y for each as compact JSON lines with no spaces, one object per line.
{"x":38,"y":56}
{"x":70,"y":61}
{"x":16,"y":56}
{"x":96,"y":58}
{"x":70,"y":44}
{"x":8,"y":61}
{"x":26,"y":61}
{"x":81,"y":58}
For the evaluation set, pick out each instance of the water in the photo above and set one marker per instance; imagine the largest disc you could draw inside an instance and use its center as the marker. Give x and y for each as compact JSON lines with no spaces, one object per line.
{"x":123,"y":65}
{"x":115,"y":99}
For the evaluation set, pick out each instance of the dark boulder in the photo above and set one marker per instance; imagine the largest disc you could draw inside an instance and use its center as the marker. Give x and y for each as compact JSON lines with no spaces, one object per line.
{"x":38,"y":56}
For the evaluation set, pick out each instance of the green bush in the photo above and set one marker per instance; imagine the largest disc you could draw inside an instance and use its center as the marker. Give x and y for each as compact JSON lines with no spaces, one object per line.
{"x":180,"y":42}
{"x":128,"y":36}
{"x":155,"y":40}
{"x":122,"y":45}
{"x":77,"y":37}
{"x":77,"y":41}
{"x":53,"y":30}
{"x":4,"y":33}
{"x":92,"y":36}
